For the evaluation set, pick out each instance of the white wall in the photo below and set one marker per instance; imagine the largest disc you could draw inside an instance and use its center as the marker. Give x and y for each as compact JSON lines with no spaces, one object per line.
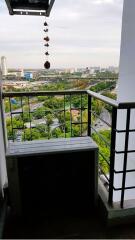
{"x":126,"y":93}
{"x":3,"y":173}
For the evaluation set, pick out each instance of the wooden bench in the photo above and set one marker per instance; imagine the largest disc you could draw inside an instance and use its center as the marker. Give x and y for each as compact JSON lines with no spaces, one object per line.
{"x":49,"y":175}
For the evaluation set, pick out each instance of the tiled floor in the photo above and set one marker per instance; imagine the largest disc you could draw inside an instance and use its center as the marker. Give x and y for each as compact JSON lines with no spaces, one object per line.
{"x":91,"y":227}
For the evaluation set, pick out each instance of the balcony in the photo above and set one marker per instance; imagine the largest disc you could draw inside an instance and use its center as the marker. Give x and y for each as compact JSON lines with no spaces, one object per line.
{"x":40,"y":116}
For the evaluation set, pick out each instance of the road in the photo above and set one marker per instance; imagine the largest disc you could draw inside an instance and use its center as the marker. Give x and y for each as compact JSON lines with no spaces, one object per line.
{"x":99,"y":125}
{"x":33,"y":106}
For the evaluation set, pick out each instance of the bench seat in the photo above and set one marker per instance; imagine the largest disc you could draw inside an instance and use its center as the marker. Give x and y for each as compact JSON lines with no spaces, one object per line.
{"x":57,"y":175}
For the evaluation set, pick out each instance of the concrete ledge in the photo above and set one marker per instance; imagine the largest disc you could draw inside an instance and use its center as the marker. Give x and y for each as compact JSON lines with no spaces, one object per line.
{"x":115,"y":215}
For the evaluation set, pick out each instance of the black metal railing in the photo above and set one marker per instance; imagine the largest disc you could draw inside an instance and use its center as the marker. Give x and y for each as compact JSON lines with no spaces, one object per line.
{"x":115,"y":130}
{"x":77,"y":116}
{"x":106,"y":170}
{"x":35,"y":115}
{"x":128,"y":108}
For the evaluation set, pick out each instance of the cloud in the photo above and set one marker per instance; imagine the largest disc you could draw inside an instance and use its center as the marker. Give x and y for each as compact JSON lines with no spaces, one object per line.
{"x":86,"y":31}
{"x":103,"y":1}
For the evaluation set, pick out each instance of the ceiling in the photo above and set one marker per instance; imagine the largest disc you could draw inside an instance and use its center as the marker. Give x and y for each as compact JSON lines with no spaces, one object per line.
{"x":30,"y":4}
{"x":29,"y":7}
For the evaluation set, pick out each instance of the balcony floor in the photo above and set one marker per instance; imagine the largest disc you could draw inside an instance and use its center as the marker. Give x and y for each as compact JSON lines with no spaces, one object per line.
{"x":86,"y":227}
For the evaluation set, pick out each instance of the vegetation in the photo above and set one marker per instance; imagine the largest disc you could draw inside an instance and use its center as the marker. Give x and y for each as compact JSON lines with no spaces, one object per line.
{"x":110,"y":95}
{"x":103,"y":85}
{"x":31,"y":134}
{"x":106,"y":74}
{"x":103,"y":148}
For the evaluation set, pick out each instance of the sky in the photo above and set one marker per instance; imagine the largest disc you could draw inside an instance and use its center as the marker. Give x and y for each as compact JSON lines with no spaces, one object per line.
{"x":82,"y":33}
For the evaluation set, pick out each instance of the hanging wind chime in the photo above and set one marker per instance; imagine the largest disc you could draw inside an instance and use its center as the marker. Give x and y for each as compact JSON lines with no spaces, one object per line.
{"x":33,"y":8}
{"x":46,"y":39}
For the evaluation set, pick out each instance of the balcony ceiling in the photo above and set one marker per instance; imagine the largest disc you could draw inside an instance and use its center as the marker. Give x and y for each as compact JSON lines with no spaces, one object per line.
{"x":29,"y":7}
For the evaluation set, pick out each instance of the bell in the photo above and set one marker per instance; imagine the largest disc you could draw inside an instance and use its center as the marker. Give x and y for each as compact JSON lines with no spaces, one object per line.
{"x":46,"y":45}
{"x":45,"y":24}
{"x":45,"y":30}
{"x":47,"y":54}
{"x":47,"y":65}
{"x":47,"y":39}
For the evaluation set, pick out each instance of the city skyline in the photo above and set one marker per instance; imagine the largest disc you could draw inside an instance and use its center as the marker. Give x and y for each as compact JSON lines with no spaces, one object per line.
{"x":6,"y":70}
{"x":83,"y":35}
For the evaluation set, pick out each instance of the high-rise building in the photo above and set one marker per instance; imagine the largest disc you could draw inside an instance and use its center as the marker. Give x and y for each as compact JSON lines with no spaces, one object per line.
{"x":28,"y":75}
{"x":4,"y":66}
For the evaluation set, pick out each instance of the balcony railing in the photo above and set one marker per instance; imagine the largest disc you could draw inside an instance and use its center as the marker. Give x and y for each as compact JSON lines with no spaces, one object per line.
{"x":45,"y":115}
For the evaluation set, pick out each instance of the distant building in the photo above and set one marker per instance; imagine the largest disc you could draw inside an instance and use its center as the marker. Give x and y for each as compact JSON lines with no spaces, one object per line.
{"x":69,"y":70}
{"x":20,"y":73}
{"x":93,"y":70}
{"x":87,"y":70}
{"x":113,"y":69}
{"x":103,"y":70}
{"x":28,"y":75}
{"x":4,"y":66}
{"x":81,"y":70}
{"x":17,"y":73}
{"x":72,"y":70}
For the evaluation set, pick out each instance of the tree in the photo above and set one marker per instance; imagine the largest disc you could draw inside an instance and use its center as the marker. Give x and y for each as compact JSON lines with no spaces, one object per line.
{"x":53,"y":103}
{"x":43,"y":129}
{"x":57,"y":132}
{"x":97,"y":106}
{"x":76,"y":130}
{"x":30,"y":134}
{"x":103,"y":85}
{"x":16,"y":122}
{"x":49,"y":119}
{"x":62,"y":119}
{"x":39,"y":113}
{"x":11,"y":133}
{"x":103,"y":148}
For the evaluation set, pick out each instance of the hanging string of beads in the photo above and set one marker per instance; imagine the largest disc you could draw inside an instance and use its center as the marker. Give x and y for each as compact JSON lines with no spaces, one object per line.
{"x":46,"y":39}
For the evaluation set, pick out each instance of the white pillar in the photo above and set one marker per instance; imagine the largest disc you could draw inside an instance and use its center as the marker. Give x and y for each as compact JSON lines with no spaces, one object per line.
{"x":126,"y":93}
{"x":3,"y":172}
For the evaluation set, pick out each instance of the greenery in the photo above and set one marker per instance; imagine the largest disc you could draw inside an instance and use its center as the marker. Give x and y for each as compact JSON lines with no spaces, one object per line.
{"x":110,"y":95}
{"x":103,"y":147}
{"x":39,"y":113}
{"x":31,"y":134}
{"x":106,"y":74}
{"x":103,"y":85}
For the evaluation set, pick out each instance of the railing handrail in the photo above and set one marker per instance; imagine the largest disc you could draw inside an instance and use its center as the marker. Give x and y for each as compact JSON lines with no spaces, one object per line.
{"x":107,"y":100}
{"x":112,"y":102}
{"x":102,"y":98}
{"x":42,"y":93}
{"x":126,"y":105}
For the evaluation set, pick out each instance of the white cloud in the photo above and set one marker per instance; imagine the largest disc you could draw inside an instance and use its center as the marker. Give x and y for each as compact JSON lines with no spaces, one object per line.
{"x":102,"y":1}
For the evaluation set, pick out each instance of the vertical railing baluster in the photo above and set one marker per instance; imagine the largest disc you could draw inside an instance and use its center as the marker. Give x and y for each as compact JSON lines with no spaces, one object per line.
{"x":5,"y":135}
{"x":125,"y":156}
{"x":70,"y":115}
{"x":48,"y":132}
{"x":11,"y":119}
{"x":81,"y":115}
{"x":89,"y":114}
{"x":64,"y":117}
{"x":112,"y":155}
{"x":29,"y":117}
{"x":23,"y":117}
{"x":3,"y":119}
